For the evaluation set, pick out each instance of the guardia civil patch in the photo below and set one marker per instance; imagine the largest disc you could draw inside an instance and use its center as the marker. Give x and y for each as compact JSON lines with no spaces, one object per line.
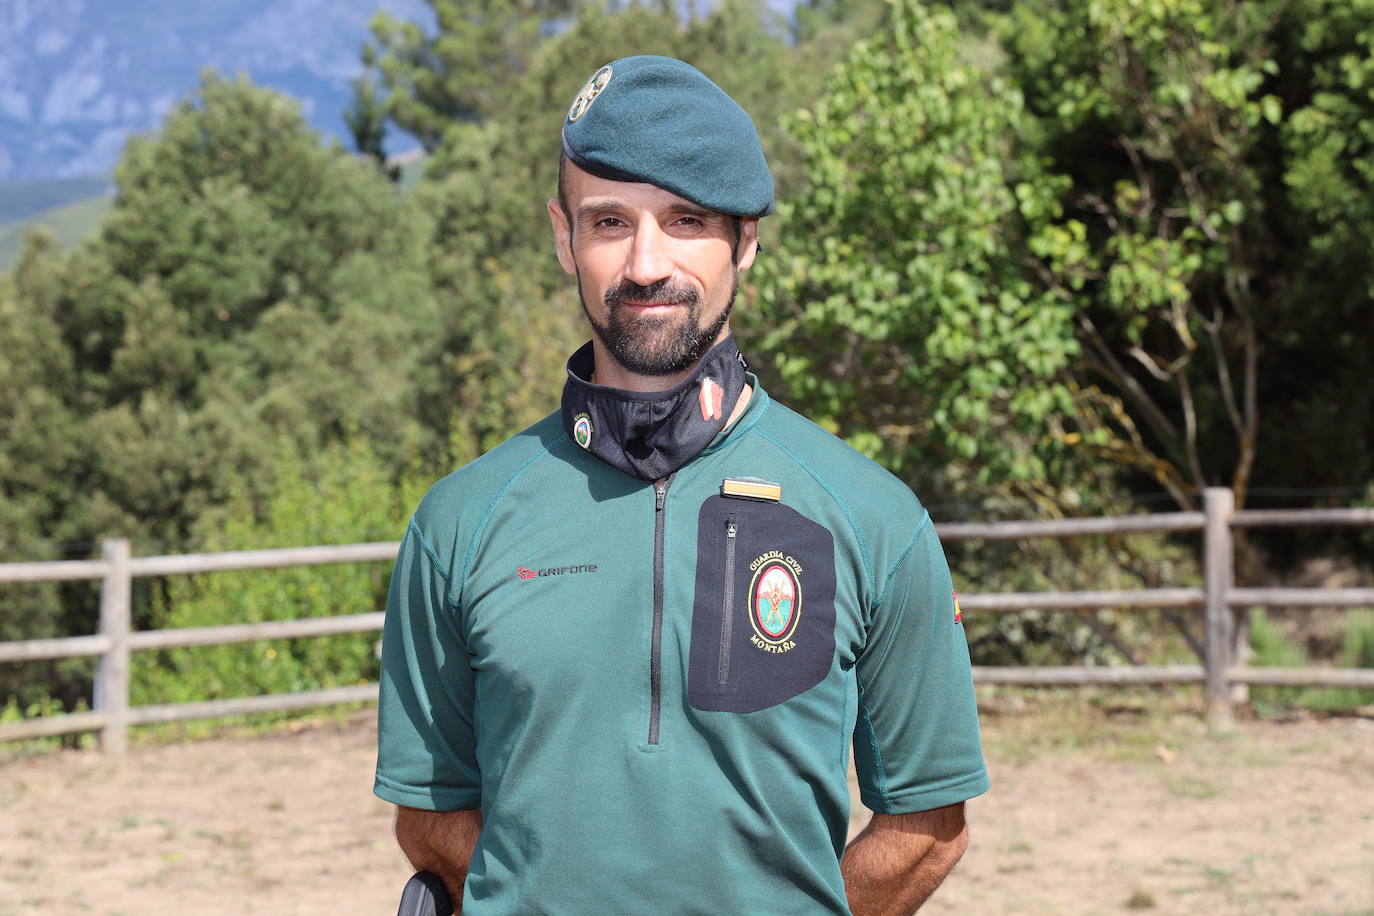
{"x":582,"y":430}
{"x":775,"y":597}
{"x":600,"y":79}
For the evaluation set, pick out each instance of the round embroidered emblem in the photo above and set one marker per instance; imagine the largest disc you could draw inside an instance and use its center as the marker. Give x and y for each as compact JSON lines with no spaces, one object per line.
{"x":582,"y":430}
{"x":775,"y":603}
{"x":589,"y":92}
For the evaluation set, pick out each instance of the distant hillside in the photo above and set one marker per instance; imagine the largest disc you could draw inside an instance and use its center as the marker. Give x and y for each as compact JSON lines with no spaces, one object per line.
{"x":20,"y":200}
{"x":70,"y":223}
{"x":76,"y":76}
{"x":73,"y":221}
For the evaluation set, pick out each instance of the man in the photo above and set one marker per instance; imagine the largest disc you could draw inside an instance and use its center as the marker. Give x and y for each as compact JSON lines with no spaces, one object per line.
{"x":626,"y":650}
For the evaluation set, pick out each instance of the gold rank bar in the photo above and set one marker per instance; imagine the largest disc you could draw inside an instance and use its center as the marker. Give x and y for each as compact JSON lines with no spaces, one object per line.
{"x":751,"y":488}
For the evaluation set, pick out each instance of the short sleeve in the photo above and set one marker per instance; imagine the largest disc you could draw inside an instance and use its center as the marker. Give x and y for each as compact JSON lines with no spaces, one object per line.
{"x":426,"y":751}
{"x":916,"y":744}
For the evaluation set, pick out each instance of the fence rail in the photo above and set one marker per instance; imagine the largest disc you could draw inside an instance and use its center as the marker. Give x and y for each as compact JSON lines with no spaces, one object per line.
{"x":1218,"y":597}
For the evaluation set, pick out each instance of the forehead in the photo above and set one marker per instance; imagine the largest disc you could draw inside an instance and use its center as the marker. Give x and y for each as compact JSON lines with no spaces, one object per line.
{"x":582,"y":187}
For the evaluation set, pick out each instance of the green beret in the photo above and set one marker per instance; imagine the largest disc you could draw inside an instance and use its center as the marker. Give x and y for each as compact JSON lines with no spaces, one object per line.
{"x":661,"y":121}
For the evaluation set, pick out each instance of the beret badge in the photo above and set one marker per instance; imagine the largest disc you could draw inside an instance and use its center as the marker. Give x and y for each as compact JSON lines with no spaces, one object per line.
{"x":600,"y":79}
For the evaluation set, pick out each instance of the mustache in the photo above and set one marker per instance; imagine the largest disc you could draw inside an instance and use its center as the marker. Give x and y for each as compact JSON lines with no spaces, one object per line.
{"x":660,"y":292}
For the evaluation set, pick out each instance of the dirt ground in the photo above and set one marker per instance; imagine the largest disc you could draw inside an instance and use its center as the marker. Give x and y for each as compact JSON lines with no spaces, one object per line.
{"x":1099,"y":805}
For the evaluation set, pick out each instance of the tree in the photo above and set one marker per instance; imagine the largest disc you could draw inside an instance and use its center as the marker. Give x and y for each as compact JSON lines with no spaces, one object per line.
{"x":252,"y":290}
{"x":366,"y":120}
{"x":462,"y":72}
{"x":1319,"y":400}
{"x":898,"y":309}
{"x":1159,"y":114}
{"x":342,"y":493}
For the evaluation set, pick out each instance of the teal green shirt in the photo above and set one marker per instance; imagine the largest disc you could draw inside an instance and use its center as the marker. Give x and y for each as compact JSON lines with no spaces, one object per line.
{"x":650,"y":691}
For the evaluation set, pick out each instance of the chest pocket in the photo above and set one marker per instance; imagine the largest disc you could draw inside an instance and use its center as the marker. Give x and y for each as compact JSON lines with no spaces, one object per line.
{"x":763,"y":617}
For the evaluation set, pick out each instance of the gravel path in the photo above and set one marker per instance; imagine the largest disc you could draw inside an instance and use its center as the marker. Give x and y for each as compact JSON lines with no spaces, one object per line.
{"x":1093,"y":810}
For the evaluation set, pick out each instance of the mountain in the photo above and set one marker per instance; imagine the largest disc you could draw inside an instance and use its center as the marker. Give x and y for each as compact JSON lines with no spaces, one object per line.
{"x":77,"y":76}
{"x":20,"y":200}
{"x":69,"y":224}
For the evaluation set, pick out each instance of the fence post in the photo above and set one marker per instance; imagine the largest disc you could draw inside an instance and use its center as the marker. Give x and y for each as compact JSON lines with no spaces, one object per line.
{"x":1218,"y":571}
{"x":112,"y":673}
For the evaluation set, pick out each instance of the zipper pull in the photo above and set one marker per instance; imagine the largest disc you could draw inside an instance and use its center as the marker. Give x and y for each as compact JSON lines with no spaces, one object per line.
{"x":661,"y":489}
{"x":730,"y":528}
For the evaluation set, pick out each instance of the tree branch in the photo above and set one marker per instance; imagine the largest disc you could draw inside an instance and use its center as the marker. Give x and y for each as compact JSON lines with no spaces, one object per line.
{"x":1157,"y":419}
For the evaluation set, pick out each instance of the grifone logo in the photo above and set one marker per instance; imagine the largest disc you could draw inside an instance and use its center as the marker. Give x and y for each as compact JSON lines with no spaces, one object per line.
{"x":524,"y":573}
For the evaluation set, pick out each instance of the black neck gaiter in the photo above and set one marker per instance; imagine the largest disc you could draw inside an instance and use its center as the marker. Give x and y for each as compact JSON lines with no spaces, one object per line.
{"x":649,"y":435}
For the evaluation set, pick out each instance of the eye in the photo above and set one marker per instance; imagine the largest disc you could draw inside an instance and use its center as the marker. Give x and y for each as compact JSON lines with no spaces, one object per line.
{"x":609,"y":222}
{"x":690,"y":222}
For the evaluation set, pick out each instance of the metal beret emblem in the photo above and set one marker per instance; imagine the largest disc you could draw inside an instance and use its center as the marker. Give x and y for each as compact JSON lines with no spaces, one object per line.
{"x":589,"y":92}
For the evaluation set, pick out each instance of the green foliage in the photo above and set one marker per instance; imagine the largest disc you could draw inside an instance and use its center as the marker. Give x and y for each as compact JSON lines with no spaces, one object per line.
{"x":461,"y":73}
{"x":1320,"y":396}
{"x":13,"y":712}
{"x":1273,"y":647}
{"x":1161,"y":115}
{"x":366,"y":120}
{"x":897,"y":309}
{"x":342,"y":494}
{"x":1100,"y":637}
{"x":1207,"y":144}
{"x":248,"y":285}
{"x":251,"y":293}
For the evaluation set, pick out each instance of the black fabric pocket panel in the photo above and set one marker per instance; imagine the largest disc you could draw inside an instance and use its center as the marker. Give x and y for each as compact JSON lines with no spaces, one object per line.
{"x":763,"y":617}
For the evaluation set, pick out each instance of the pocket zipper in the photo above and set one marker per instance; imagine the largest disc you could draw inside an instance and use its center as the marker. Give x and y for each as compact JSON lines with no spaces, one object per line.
{"x":727,"y":601}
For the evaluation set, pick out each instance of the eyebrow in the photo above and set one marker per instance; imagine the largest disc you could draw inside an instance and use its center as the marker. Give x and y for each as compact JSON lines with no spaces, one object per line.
{"x":587,"y":209}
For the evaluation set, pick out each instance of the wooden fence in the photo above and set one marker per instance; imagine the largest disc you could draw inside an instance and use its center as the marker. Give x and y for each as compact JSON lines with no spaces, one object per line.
{"x":112,"y":716}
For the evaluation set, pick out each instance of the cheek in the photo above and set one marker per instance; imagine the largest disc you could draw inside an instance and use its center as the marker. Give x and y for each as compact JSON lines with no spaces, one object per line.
{"x":598,"y":269}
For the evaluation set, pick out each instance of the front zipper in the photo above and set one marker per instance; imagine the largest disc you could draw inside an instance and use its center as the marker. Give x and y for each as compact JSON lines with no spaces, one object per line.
{"x":656,"y":640}
{"x":727,"y":601}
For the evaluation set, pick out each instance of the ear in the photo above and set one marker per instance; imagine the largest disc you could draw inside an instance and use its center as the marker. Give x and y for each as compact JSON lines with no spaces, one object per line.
{"x":562,"y":237}
{"x":748,"y":242}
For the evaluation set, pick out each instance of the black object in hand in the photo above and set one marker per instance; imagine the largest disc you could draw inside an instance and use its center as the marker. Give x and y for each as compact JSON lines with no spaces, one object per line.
{"x":425,"y":895}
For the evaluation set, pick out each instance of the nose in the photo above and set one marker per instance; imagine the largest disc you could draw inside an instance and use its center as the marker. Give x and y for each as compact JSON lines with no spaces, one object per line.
{"x":648,"y":260}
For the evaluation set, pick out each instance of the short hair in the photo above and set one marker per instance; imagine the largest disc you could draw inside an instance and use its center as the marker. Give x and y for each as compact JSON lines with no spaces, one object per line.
{"x":567,"y":211}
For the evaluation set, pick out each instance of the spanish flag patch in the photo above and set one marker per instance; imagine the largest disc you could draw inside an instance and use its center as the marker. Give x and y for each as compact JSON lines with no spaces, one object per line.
{"x":958,"y":614}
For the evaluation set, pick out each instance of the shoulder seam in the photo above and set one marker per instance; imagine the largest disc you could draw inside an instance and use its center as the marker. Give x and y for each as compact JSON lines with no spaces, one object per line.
{"x":491,"y":507}
{"x":901,"y":558}
{"x":428,"y":548}
{"x":844,"y":506}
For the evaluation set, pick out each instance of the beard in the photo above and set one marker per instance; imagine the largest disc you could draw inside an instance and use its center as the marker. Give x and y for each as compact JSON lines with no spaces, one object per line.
{"x":656,"y":344}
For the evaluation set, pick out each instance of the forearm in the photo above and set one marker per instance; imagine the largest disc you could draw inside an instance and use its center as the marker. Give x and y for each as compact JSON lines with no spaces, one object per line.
{"x":440,"y":842}
{"x":899,"y":860}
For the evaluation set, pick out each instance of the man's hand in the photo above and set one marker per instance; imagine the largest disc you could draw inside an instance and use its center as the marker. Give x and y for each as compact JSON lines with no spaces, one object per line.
{"x":441,"y":842}
{"x":899,"y":859}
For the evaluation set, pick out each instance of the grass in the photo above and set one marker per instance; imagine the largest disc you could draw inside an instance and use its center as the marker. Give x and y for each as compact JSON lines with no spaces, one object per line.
{"x":1140,"y":900}
{"x":1118,"y":723}
{"x":1275,"y":648}
{"x":245,"y":726}
{"x":1182,"y":785}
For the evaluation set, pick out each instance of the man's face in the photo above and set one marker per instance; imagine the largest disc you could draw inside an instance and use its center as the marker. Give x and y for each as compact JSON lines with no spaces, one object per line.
{"x":655,"y":272}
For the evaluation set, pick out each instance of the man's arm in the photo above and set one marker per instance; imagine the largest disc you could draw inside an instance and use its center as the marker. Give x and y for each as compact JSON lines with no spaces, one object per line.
{"x":441,"y":842}
{"x":899,"y":859}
